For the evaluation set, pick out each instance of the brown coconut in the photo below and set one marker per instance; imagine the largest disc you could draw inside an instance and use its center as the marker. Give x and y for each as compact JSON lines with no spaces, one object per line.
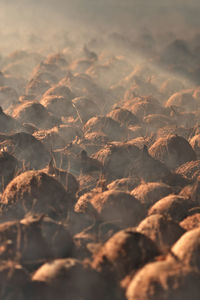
{"x":82,"y":84}
{"x":183,"y":100}
{"x":149,"y":193}
{"x":124,"y":252}
{"x":70,"y":278}
{"x":174,"y":206}
{"x":107,"y":125}
{"x":163,"y":280}
{"x":35,"y":191}
{"x":118,"y":160}
{"x":113,"y":206}
{"x":186,"y":249}
{"x":46,"y":66}
{"x":124,"y":184}
{"x":67,"y":179}
{"x":190,"y":170}
{"x":37,"y":87}
{"x":59,"y":90}
{"x":162,"y":230}
{"x":174,"y":130}
{"x":14,"y":280}
{"x":171,"y":86}
{"x":123,"y":116}
{"x":69,"y":132}
{"x":93,"y":141}
{"x":23,"y":241}
{"x":191,"y":222}
{"x":153,"y":122}
{"x":143,"y":107}
{"x":26,"y":148}
{"x":35,"y":113}
{"x":86,"y":108}
{"x":60,"y":106}
{"x":192,"y":191}
{"x":195,"y":143}
{"x":50,"y":138}
{"x":58,"y":59}
{"x":141,"y":141}
{"x":173,"y":150}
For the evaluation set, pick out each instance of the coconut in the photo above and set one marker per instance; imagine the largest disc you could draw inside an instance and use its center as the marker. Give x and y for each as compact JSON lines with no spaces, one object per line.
{"x":59,"y":90}
{"x":37,"y":87}
{"x":118,"y":160}
{"x":45,"y":66}
{"x":80,"y":65}
{"x":174,"y":206}
{"x":113,"y":206}
{"x":45,"y":76}
{"x":173,"y":150}
{"x":60,"y":106}
{"x":72,"y":278}
{"x":108,"y":126}
{"x":14,"y":280}
{"x":164,"y":280}
{"x":23,"y":241}
{"x":82,"y":84}
{"x":143,"y":107}
{"x":123,"y":116}
{"x":58,"y":59}
{"x":35,"y":191}
{"x":162,"y":230}
{"x":192,"y":191}
{"x":191,"y":222}
{"x":50,"y":138}
{"x":190,"y":170}
{"x":69,"y":133}
{"x":142,"y":141}
{"x":183,"y":100}
{"x":149,"y":193}
{"x":124,"y":184}
{"x":166,"y":131}
{"x":67,"y":179}
{"x":186,"y":249}
{"x":124,"y":252}
{"x":80,"y":104}
{"x":93,"y":141}
{"x":171,"y":86}
{"x":35,"y":113}
{"x":153,"y":122}
{"x":26,"y":148}
{"x":195,"y":143}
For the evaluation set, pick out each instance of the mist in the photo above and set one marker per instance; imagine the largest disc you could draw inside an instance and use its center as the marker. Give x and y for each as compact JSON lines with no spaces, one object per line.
{"x":23,"y":18}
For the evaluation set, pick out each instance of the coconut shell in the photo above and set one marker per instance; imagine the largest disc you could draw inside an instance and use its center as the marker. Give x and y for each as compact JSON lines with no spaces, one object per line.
{"x":149,"y":193}
{"x":35,"y":191}
{"x":173,"y":151}
{"x":164,"y":281}
{"x":124,"y":252}
{"x":162,"y":230}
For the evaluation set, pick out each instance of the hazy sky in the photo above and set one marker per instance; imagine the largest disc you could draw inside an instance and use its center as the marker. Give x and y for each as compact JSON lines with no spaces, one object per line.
{"x":111,"y":12}
{"x":75,"y":16}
